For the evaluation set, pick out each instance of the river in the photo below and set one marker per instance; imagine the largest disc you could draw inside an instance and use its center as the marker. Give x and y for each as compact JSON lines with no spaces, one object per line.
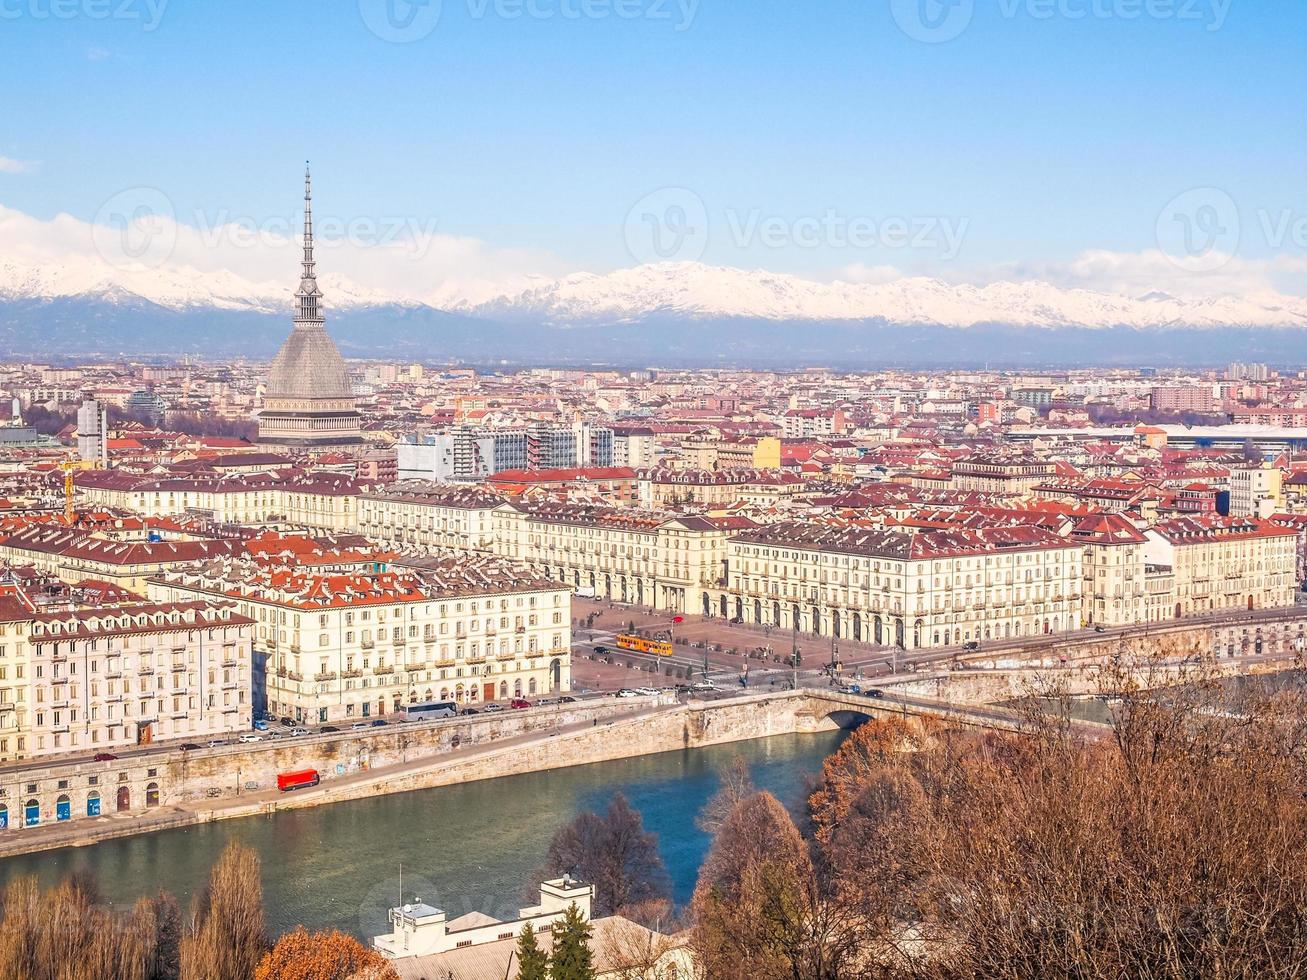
{"x":462,"y":848}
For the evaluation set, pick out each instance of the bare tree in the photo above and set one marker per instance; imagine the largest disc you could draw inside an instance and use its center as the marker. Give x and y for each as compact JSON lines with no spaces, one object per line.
{"x":613,"y":852}
{"x":736,"y":785}
{"x":226,"y":937}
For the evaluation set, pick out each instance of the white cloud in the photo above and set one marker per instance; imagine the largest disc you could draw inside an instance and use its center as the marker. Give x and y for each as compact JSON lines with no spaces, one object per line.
{"x":1136,"y":274}
{"x":8,"y":165}
{"x":873,"y":275}
{"x":136,"y":235}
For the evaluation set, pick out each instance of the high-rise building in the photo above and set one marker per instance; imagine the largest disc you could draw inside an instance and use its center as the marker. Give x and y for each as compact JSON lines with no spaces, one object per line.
{"x":93,"y":433}
{"x":469,"y":453}
{"x":309,"y":401}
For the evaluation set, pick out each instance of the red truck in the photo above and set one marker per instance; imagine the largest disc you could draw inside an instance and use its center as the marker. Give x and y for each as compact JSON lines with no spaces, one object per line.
{"x":287,"y":781}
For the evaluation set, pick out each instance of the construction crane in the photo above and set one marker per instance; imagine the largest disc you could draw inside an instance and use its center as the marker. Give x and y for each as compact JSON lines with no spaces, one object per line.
{"x":71,"y":466}
{"x":70,"y":514}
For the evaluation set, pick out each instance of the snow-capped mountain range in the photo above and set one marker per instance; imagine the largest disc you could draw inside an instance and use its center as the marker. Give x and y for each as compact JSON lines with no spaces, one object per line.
{"x":677,"y":290}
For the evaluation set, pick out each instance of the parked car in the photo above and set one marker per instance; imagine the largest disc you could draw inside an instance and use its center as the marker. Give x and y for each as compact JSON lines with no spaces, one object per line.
{"x":328,"y":728}
{"x":519,"y":703}
{"x":217,"y":743}
{"x":493,"y":707}
{"x":626,"y":692}
{"x":299,"y":731}
{"x":260,"y":725}
{"x":704,"y":686}
{"x":379,"y":722}
{"x":546,"y":702}
{"x":105,"y":757}
{"x":1100,"y":628}
{"x":601,"y":650}
{"x":289,"y":723}
{"x":251,"y":737}
{"x":567,"y":699}
{"x":971,"y":645}
{"x":359,"y":724}
{"x":469,"y":711}
{"x":875,"y":692}
{"x":646,"y":691}
{"x":189,"y":746}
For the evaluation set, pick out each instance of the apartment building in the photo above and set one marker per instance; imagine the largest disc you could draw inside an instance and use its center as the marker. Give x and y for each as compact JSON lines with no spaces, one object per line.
{"x":661,"y":488}
{"x":320,"y":501}
{"x":422,"y":514}
{"x":1256,"y":491}
{"x":349,"y":646}
{"x":932,"y":588}
{"x":648,"y":558}
{"x":73,"y":554}
{"x":85,"y":679}
{"x":1001,"y":474}
{"x":471,"y":453}
{"x":1114,"y":591}
{"x":1224,"y":563}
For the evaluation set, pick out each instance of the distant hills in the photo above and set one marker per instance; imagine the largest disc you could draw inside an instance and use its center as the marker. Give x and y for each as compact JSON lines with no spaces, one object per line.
{"x":669,"y":313}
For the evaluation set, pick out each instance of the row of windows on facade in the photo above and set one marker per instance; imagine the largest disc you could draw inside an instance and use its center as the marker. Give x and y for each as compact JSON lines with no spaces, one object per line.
{"x":261,"y":612}
{"x":532,"y":649}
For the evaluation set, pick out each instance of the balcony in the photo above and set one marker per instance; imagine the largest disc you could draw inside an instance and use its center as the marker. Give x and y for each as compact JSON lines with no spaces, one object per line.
{"x":383,"y":670}
{"x":366,"y":643}
{"x":323,"y":676}
{"x":58,"y":680}
{"x":505,"y":657}
{"x":293,"y":675}
{"x":351,"y":673}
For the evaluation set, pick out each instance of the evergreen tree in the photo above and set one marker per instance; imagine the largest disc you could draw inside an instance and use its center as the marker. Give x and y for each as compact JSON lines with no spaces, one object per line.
{"x":532,"y":963}
{"x":572,"y":958}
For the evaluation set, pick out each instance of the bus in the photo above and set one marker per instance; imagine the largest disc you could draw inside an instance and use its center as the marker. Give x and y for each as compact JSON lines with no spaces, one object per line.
{"x":430,"y":711}
{"x":642,"y":644}
{"x":287,"y":781}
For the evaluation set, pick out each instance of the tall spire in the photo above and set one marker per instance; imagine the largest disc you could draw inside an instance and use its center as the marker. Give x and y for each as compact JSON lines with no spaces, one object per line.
{"x":308,"y":293}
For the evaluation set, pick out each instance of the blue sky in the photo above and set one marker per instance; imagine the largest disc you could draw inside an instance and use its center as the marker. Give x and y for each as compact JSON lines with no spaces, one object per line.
{"x":1050,"y":128}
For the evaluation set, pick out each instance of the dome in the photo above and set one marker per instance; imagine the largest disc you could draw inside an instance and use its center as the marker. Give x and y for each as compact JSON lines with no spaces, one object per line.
{"x":309,"y":365}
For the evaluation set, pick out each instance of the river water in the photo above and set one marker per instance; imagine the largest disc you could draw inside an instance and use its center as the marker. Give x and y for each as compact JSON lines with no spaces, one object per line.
{"x":462,"y":848}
